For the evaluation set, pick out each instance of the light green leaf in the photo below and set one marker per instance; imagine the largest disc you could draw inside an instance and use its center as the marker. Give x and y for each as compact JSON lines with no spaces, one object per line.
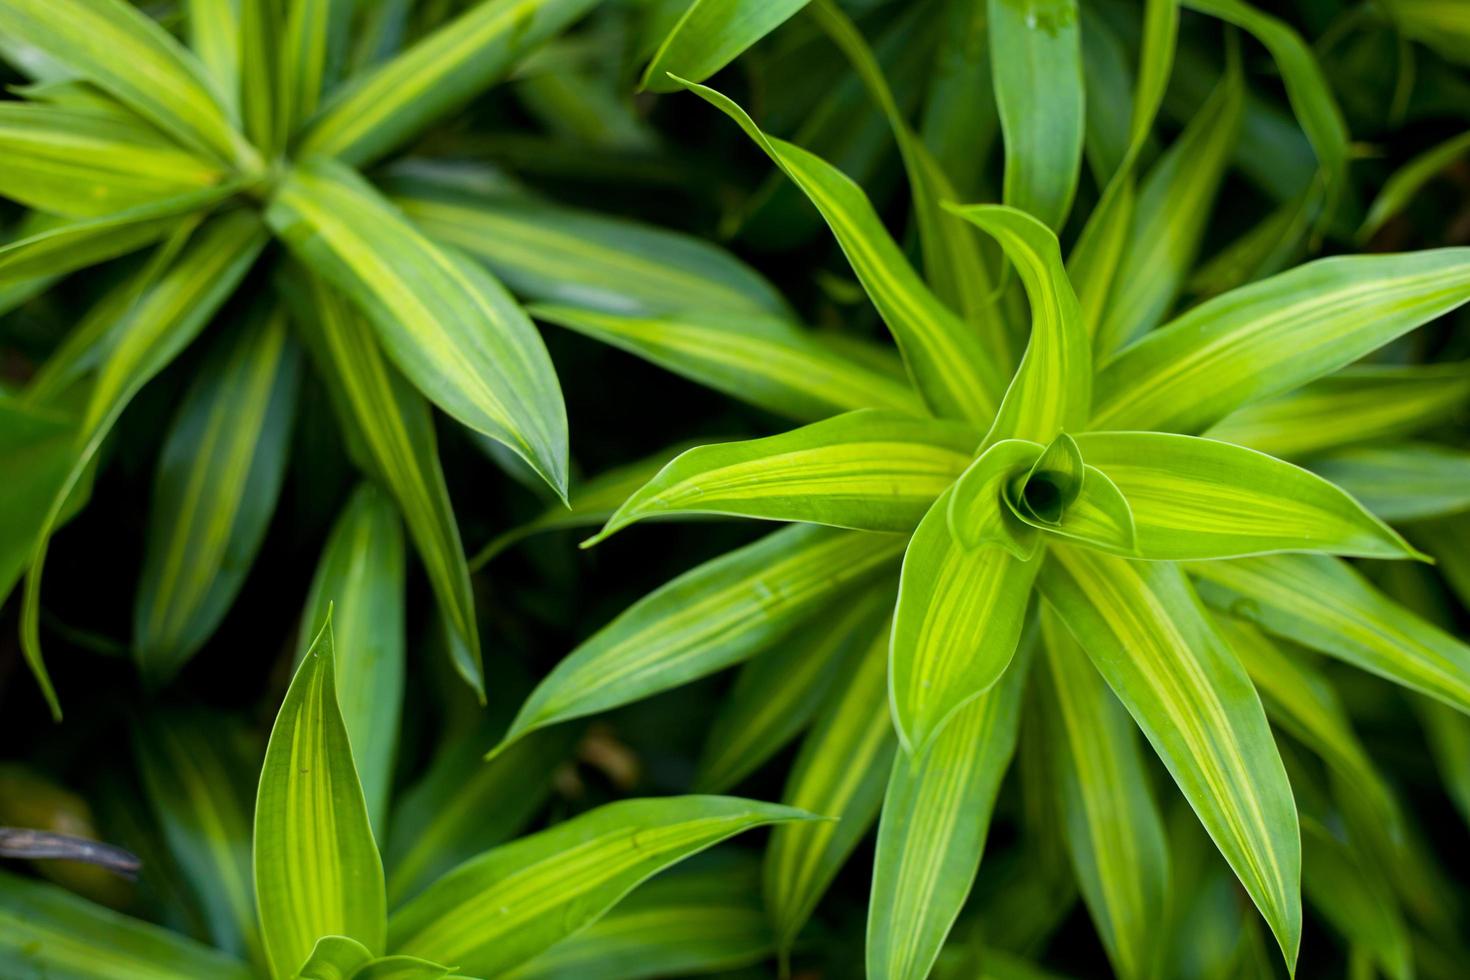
{"x":1147,"y":634}
{"x":123,"y":51}
{"x":62,"y":248}
{"x":1401,"y":186}
{"x":840,"y":772}
{"x":1052,"y":389}
{"x":194,"y":282}
{"x":560,"y":255}
{"x":334,"y":958}
{"x":1322,"y":603}
{"x":1306,"y":88}
{"x":361,"y":577}
{"x":88,"y":162}
{"x":402,"y":968}
{"x":1404,"y":482}
{"x":448,"y":325}
{"x":868,"y":470}
{"x":682,"y":923}
{"x":1113,"y":829}
{"x":317,"y":871}
{"x":1441,"y":24}
{"x":312,"y":39}
{"x":1196,"y":498}
{"x":391,"y":426}
{"x":48,"y":932}
{"x":778,"y":692}
{"x":197,"y":773}
{"x":1169,"y":217}
{"x":979,"y":513}
{"x":953,"y":371}
{"x":1272,"y":336}
{"x":259,"y":34}
{"x":389,"y":105}
{"x":1036,"y":61}
{"x":464,"y":805}
{"x":1363,"y":403}
{"x":1100,"y":517}
{"x":710,"y":35}
{"x":219,"y":473}
{"x":955,"y":628}
{"x":498,"y":910}
{"x":709,"y":618}
{"x":936,"y":815}
{"x":764,"y":361}
{"x":214,"y":35}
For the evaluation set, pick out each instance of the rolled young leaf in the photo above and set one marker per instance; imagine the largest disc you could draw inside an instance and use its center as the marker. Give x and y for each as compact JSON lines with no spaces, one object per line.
{"x":1322,"y":603}
{"x":391,"y":423}
{"x":710,"y":35}
{"x":1036,"y":61}
{"x":936,"y":816}
{"x":448,"y":324}
{"x":951,"y":368}
{"x":1196,"y":498}
{"x":360,"y":577}
{"x":125,"y":52}
{"x":707,"y":619}
{"x":219,"y":474}
{"x":1271,"y":336}
{"x":1150,"y":638}
{"x":978,"y":513}
{"x":868,"y":470}
{"x":498,"y":910}
{"x":841,"y":772}
{"x":386,"y":107}
{"x":317,"y":871}
{"x":1114,"y":833}
{"x":955,"y":627}
{"x":764,"y":361}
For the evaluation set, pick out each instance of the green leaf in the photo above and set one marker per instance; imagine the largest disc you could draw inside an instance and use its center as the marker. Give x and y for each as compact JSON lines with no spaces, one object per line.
{"x":1169,"y":217}
{"x":1306,"y":88}
{"x":448,"y":325}
{"x":219,"y":473}
{"x":840,"y":772}
{"x":1363,"y":403}
{"x":1406,"y":482}
{"x":1147,"y":634}
{"x":334,"y":958}
{"x":955,"y":628}
{"x":560,"y":255}
{"x":1100,"y":517}
{"x":955,"y":374}
{"x":402,"y":968}
{"x":682,"y":923}
{"x":1443,"y":26}
{"x":936,"y":815}
{"x":62,"y":248}
{"x":764,"y":361}
{"x":1322,"y":603}
{"x":710,"y":35}
{"x":1405,"y":182}
{"x":388,"y":106}
{"x":391,"y":424}
{"x":312,"y":38}
{"x":1113,"y":829}
{"x":48,"y":932}
{"x":214,"y":35}
{"x":197,"y":772}
{"x":361,"y":577}
{"x":1272,"y":336}
{"x":123,"y":51}
{"x":1196,"y":498}
{"x":36,"y":449}
{"x":1036,"y":61}
{"x":1052,"y":389}
{"x":707,"y":619}
{"x":87,"y":162}
{"x":978,"y":512}
{"x":464,"y":805}
{"x":498,"y":910}
{"x":869,"y":470}
{"x":317,"y":871}
{"x":778,"y":692}
{"x":1355,"y":900}
{"x":156,"y":327}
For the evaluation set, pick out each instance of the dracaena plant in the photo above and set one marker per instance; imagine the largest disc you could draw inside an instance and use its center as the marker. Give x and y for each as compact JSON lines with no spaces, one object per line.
{"x":321,"y":904}
{"x":1092,"y":468}
{"x":240,"y":162}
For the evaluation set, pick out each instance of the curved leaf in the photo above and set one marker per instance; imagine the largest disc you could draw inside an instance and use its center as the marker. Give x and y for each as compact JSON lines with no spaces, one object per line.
{"x":710,"y":35}
{"x":1401,"y":186}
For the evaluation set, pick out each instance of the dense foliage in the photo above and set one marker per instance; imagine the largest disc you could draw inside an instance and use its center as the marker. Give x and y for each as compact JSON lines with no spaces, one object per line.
{"x":1103,"y":361}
